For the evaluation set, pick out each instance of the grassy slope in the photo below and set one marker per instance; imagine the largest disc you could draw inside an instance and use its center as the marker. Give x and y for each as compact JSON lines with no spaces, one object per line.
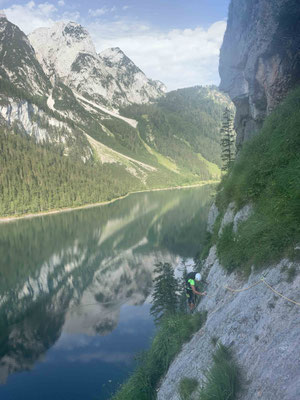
{"x":266,"y":174}
{"x":172,"y":334}
{"x":184,"y":127}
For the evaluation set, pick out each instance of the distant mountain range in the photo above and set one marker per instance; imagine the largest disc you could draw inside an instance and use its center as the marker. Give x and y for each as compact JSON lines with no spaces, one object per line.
{"x":96,"y":116}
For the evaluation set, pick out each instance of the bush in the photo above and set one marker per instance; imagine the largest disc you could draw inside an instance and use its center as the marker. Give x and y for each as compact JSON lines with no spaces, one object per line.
{"x":187,"y":387}
{"x":222,"y":379}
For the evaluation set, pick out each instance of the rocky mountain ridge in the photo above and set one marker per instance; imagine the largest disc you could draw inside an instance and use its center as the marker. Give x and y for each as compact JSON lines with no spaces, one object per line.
{"x":18,"y":62}
{"x":109,"y":78}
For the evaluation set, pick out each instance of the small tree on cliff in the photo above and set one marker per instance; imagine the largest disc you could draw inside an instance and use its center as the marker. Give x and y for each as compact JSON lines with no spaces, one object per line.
{"x":227,"y":140}
{"x":165,"y":293}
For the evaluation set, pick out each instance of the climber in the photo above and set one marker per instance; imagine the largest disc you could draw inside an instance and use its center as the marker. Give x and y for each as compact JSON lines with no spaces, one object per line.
{"x":191,"y":291}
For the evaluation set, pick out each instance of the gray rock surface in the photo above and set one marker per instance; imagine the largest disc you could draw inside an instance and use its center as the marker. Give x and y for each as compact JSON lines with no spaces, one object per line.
{"x":262,"y":329}
{"x":228,"y":217}
{"x":212,"y":216}
{"x":242,"y":215}
{"x":259,"y":59}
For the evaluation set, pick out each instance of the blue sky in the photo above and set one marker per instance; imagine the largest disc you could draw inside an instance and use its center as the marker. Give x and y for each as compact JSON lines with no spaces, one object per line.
{"x":174,"y":41}
{"x":166,"y":14}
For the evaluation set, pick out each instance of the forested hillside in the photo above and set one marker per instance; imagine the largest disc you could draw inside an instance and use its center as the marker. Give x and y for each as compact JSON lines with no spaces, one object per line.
{"x":35,"y":178}
{"x":184,"y":125}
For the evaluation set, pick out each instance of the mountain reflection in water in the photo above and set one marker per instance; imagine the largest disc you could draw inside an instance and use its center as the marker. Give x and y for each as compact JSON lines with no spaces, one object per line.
{"x":65,"y":279}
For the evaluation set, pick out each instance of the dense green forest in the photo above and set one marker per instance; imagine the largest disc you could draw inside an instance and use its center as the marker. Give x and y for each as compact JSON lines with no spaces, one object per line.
{"x":34,"y":178}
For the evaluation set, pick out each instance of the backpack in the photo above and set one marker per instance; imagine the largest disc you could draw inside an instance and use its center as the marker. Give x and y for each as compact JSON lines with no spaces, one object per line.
{"x":190,"y":275}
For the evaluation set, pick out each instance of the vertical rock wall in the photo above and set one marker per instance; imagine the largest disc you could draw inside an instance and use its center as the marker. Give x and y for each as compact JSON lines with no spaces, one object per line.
{"x":260,"y":59}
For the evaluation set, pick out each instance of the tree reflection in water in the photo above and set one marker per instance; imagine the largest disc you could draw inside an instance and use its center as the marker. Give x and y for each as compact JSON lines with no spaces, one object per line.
{"x":71,"y":272}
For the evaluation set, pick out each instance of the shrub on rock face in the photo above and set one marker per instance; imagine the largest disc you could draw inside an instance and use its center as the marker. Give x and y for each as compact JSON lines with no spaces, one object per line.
{"x":222,"y":379}
{"x":187,"y":387}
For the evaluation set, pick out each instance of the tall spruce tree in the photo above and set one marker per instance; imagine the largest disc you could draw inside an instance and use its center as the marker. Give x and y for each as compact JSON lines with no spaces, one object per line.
{"x":227,"y":140}
{"x":165,"y":294}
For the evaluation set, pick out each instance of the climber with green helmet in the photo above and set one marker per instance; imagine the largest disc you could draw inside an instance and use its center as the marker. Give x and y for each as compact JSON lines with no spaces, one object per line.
{"x":191,"y":291}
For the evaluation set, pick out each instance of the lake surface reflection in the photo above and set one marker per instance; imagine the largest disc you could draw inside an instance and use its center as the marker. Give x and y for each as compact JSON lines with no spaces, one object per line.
{"x":75,"y":288}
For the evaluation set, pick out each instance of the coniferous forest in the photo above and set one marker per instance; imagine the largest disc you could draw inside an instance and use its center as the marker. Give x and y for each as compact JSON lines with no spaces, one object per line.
{"x":34,"y":178}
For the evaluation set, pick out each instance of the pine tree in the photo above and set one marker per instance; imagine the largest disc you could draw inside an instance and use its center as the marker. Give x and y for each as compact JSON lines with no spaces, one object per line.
{"x":165,"y":294}
{"x":227,"y":140}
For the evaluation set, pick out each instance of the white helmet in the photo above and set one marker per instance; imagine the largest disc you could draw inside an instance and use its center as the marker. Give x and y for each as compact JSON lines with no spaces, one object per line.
{"x":198,"y":277}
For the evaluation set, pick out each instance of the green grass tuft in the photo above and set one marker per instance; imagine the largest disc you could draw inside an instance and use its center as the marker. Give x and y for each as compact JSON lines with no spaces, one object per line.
{"x":187,"y":387}
{"x":222,"y":379}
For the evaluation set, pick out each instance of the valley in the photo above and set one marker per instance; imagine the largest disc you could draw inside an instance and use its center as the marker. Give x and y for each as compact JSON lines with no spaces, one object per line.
{"x":93,"y":127}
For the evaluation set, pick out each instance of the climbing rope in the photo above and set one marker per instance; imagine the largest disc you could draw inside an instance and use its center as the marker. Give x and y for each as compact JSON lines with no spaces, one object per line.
{"x":279,"y":294}
{"x":262,"y":280}
{"x":242,"y":290}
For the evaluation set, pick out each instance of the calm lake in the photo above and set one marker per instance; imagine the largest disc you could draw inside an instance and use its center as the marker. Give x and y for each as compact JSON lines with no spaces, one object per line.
{"x":75,"y":291}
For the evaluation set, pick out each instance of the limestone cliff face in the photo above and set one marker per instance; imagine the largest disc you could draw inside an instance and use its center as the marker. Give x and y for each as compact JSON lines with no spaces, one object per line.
{"x":260,"y":59}
{"x":261,"y":328}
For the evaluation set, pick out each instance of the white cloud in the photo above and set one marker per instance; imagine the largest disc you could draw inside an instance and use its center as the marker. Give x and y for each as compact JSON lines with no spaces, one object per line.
{"x":125,"y":7}
{"x":101,"y":11}
{"x":179,"y":58}
{"x":61,"y":3}
{"x":70,"y":16}
{"x":31,"y":15}
{"x":98,"y":12}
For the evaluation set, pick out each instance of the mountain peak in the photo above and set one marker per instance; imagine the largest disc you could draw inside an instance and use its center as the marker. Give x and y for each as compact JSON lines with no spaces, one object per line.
{"x":62,"y":34}
{"x":57,"y":47}
{"x":66,"y":50}
{"x":76,"y":31}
